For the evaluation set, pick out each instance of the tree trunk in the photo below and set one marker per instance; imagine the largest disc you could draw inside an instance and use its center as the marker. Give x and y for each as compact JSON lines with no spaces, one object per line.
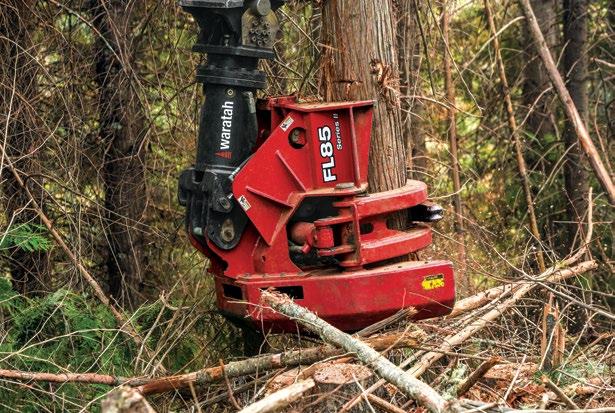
{"x":576,"y":175}
{"x":536,"y":82}
{"x":19,"y":117}
{"x":122,"y":131}
{"x":575,"y":69}
{"x":360,"y":62}
{"x":409,"y":56}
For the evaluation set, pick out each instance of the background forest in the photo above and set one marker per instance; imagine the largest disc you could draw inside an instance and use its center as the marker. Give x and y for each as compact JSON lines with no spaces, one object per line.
{"x":98,"y":116}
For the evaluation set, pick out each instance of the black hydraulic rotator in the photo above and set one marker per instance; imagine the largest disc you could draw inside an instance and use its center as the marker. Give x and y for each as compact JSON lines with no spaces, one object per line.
{"x":235,"y":35}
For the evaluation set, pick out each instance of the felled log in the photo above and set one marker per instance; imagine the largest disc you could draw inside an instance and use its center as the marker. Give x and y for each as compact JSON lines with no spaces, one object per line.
{"x":268,"y":362}
{"x":214,"y":374}
{"x":410,"y":386}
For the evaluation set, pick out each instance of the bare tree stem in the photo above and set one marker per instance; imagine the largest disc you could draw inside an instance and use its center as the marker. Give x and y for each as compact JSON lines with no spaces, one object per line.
{"x":571,"y":110}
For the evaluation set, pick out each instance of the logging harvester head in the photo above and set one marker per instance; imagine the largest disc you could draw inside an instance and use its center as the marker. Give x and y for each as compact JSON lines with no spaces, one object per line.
{"x":278,"y":197}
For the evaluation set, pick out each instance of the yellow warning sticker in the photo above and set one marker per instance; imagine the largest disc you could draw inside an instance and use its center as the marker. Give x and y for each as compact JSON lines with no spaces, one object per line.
{"x":433,"y":281}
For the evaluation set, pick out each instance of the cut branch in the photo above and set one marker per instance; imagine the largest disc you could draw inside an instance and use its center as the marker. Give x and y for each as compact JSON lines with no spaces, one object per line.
{"x":559,"y":392}
{"x":410,"y":386}
{"x":476,"y":375}
{"x":216,"y":374}
{"x":269,"y":362}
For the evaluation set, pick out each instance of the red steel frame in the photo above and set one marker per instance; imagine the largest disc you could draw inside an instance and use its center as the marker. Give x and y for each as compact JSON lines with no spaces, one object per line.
{"x":292,"y":164}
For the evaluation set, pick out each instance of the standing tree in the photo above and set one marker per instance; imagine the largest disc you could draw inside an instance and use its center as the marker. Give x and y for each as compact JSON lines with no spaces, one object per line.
{"x":19,"y":118}
{"x":409,"y":47}
{"x":576,"y":174}
{"x":575,"y":70}
{"x":122,"y":130}
{"x":360,"y":61}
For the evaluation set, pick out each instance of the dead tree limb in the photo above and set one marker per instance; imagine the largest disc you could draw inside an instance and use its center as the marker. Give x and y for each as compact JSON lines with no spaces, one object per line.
{"x":86,"y":378}
{"x":571,"y":110}
{"x":384,"y":405}
{"x":214,"y":374}
{"x":476,"y":375}
{"x":280,"y":399}
{"x":269,"y":362}
{"x":559,"y":392}
{"x":410,"y":386}
{"x":401,"y":315}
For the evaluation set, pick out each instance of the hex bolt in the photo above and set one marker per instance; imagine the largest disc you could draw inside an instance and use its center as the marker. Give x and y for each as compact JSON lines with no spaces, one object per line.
{"x":224,"y":203}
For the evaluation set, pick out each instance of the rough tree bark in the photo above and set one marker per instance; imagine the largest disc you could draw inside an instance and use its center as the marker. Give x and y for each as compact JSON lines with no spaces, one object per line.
{"x":576,"y":174}
{"x":409,"y":56}
{"x":20,"y":124}
{"x":360,"y":62}
{"x":575,"y":70}
{"x":122,"y":131}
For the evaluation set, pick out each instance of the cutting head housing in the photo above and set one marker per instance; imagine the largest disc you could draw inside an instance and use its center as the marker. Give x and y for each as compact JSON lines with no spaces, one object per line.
{"x":278,"y":195}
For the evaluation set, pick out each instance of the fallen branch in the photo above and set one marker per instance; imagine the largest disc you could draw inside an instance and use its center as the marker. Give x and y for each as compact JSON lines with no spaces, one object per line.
{"x":384,"y":405}
{"x":559,"y":393}
{"x":476,"y":375}
{"x":268,"y":362}
{"x":571,"y":110}
{"x":214,"y":374}
{"x":401,"y":315}
{"x":86,"y":378}
{"x":410,"y":386}
{"x":280,"y":399}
